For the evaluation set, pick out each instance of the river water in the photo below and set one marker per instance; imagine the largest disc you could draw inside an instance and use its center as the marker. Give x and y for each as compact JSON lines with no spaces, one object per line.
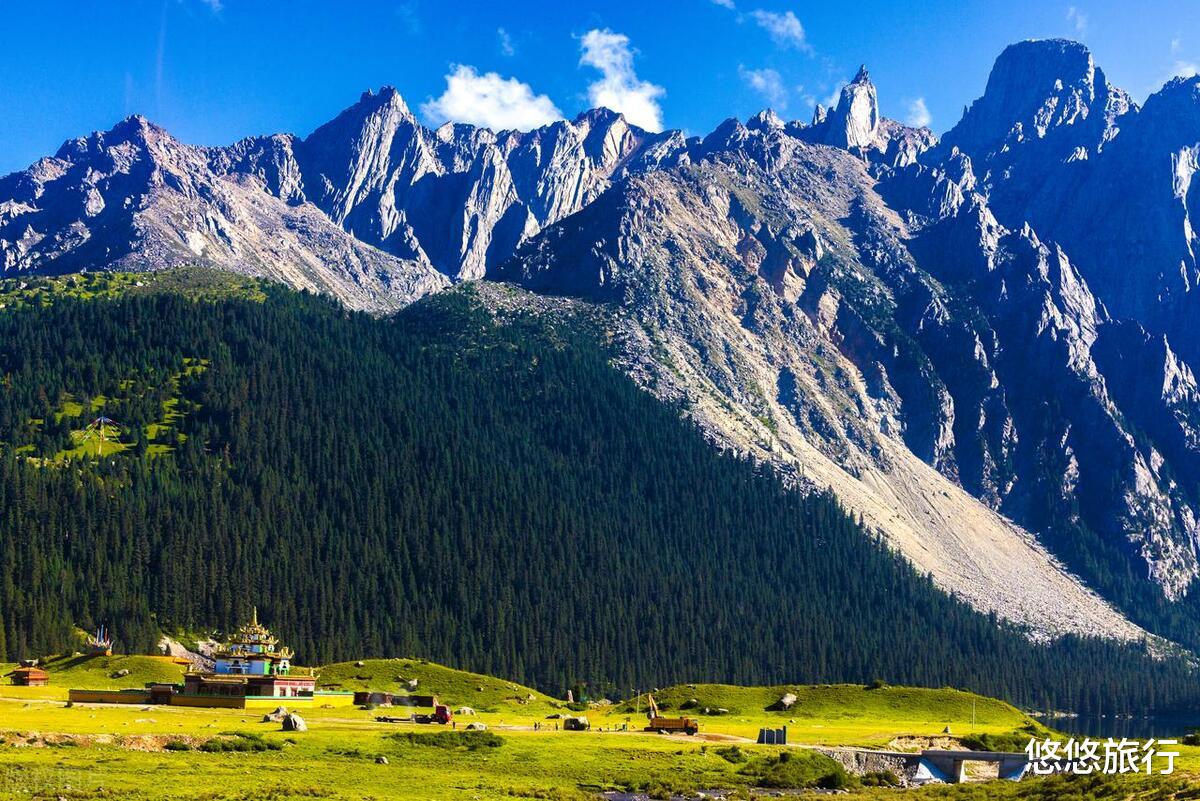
{"x":1134,"y":728}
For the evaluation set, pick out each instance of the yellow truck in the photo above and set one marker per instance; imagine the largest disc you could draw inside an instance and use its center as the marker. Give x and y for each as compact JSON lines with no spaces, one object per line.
{"x":663,"y":725}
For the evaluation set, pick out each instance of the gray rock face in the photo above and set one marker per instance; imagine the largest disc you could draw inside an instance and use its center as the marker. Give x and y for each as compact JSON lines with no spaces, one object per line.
{"x":1133,"y":227}
{"x":136,"y":198}
{"x":1058,"y":147}
{"x":1062,"y":153}
{"x":997,"y":353}
{"x":372,"y":207}
{"x":787,"y":288}
{"x":458,"y":200}
{"x":854,"y":123}
{"x":1041,"y":95}
{"x":462,"y":198}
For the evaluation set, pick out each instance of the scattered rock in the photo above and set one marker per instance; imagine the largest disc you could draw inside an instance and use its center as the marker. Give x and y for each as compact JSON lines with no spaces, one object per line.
{"x":277,"y":716}
{"x":293,"y":722}
{"x":381,"y":760}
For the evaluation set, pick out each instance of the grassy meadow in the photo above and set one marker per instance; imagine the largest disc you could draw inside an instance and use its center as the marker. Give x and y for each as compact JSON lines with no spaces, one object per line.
{"x":39,"y":291}
{"x":50,"y":749}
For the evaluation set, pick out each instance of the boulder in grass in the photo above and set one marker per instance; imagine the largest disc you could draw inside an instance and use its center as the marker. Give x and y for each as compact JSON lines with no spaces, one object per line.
{"x":293,"y":722}
{"x":277,"y":716}
{"x":787,"y":700}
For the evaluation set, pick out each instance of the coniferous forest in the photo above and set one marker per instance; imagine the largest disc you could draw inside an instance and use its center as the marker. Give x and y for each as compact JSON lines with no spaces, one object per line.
{"x":493,"y":496}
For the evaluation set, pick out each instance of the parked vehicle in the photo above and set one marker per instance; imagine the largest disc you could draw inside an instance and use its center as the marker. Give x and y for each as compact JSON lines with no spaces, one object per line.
{"x":441,"y":714}
{"x":664,"y":725}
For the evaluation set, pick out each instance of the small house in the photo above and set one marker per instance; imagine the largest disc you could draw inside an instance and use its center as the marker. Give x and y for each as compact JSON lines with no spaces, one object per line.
{"x":372,"y":698}
{"x":29,"y":677}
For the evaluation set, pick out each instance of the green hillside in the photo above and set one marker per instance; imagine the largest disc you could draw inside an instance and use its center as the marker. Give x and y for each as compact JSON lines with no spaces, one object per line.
{"x":832,"y":702}
{"x":454,"y":687}
{"x":98,"y":672}
{"x":488,"y":494}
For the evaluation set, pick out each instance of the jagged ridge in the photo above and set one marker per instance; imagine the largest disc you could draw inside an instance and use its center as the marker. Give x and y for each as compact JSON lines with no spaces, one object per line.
{"x":947,"y":333}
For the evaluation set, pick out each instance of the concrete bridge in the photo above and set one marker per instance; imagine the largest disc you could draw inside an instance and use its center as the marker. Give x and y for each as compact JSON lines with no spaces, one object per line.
{"x":930,"y":765}
{"x":951,"y":766}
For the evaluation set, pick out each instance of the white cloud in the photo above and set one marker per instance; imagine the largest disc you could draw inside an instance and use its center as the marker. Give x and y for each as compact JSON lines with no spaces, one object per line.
{"x":767,"y":83}
{"x":785,"y":29}
{"x":918,"y":114}
{"x":1078,"y":19}
{"x":619,"y":88}
{"x":490,"y":101}
{"x":1176,"y":45}
{"x":506,"y":42}
{"x":215,"y":5}
{"x":1185,"y":69}
{"x":724,"y":4}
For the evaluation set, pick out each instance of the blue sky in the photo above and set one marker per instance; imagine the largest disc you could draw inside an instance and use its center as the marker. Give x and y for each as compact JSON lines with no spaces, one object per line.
{"x":213,"y":71}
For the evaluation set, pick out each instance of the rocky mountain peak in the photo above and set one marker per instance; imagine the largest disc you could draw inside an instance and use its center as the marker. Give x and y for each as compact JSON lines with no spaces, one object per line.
{"x":388,"y":97}
{"x":730,"y":133}
{"x":855,"y":121}
{"x":601,"y":115}
{"x":607,"y":135}
{"x":1035,"y":87}
{"x":1173,"y":112}
{"x":133,"y":130}
{"x":765,"y":120}
{"x":135,"y":125}
{"x":374,"y":114}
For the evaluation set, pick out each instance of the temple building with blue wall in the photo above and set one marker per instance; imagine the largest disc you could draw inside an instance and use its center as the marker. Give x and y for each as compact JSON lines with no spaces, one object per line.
{"x":250,"y":670}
